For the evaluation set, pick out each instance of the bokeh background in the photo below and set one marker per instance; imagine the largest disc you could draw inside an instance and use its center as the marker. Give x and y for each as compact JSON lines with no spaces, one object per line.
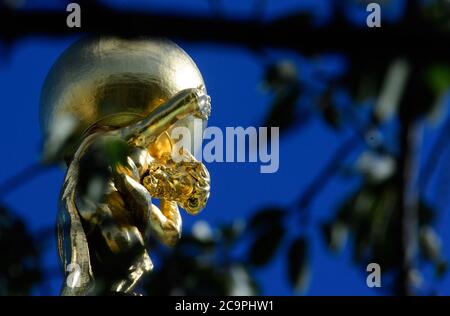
{"x":364,"y":160}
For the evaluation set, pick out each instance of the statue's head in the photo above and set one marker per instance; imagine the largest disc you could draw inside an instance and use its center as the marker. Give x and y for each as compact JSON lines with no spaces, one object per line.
{"x":112,"y":82}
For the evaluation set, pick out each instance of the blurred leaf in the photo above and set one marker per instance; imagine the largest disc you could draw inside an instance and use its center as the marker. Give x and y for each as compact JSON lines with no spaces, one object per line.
{"x":280,"y":75}
{"x":282,"y":113}
{"x":116,"y":151}
{"x":377,"y":167}
{"x":242,"y":283}
{"x":202,"y":244}
{"x":281,"y":79}
{"x":194,"y":268}
{"x":372,"y":220}
{"x":331,"y":117}
{"x":438,"y":77}
{"x":202,"y":231}
{"x":430,"y":244}
{"x":20,"y":268}
{"x":184,"y":275}
{"x":231,"y":232}
{"x":266,"y":244}
{"x":416,"y":278}
{"x":298,"y":267}
{"x":438,"y":11}
{"x":59,"y":137}
{"x":329,"y":112}
{"x":392,"y":90}
{"x":335,"y":235}
{"x":364,"y":81}
{"x":441,"y":268}
{"x":268,"y":216}
{"x":96,"y":165}
{"x":425,"y":213}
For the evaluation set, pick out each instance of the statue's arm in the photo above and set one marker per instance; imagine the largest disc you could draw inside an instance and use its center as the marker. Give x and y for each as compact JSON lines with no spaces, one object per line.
{"x":164,"y":222}
{"x":187,"y":102}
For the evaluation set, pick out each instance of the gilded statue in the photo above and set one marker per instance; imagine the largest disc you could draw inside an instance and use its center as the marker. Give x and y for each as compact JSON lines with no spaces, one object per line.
{"x":108,"y":107}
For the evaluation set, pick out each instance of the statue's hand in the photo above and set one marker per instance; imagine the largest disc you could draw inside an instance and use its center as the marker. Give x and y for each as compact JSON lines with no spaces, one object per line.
{"x":203,"y":104}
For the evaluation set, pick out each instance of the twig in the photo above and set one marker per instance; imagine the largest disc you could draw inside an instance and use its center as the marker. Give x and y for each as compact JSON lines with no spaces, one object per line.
{"x":419,"y":39}
{"x":21,"y":177}
{"x":408,"y":163}
{"x":327,"y":172}
{"x":437,"y":150}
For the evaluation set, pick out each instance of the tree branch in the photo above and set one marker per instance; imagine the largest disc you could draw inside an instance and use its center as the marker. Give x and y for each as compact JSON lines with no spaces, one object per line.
{"x":439,"y":147}
{"x":295,"y":32}
{"x":326,"y":173}
{"x":407,"y":179}
{"x":21,"y":178}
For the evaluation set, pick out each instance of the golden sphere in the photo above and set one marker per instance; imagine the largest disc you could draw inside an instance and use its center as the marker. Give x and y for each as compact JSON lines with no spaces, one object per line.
{"x":111,"y":80}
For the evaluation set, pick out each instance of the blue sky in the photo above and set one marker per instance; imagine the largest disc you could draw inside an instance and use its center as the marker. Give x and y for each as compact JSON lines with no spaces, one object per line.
{"x":233,"y":78}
